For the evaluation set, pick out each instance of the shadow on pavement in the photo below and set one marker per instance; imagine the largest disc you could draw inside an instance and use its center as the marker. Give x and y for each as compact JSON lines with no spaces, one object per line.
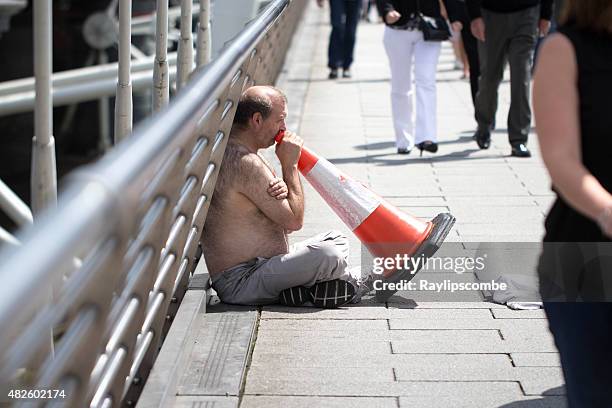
{"x":379,"y":159}
{"x":388,"y":145}
{"x":552,"y":398}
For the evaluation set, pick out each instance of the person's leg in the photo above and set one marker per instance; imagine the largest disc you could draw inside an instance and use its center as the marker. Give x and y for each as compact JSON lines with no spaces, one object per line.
{"x":520,"y":54}
{"x":352,"y":9}
{"x":399,"y":46}
{"x":322,"y":258}
{"x":492,"y":60}
{"x":336,"y":38}
{"x":583,"y":335}
{"x":426,"y":55}
{"x":470,"y":44}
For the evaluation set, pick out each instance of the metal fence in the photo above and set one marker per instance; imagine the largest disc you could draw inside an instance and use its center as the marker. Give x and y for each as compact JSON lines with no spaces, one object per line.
{"x":102,"y":268}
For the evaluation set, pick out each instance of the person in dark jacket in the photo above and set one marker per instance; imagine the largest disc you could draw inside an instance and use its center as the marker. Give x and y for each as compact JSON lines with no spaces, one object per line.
{"x":507,"y":30}
{"x":404,"y":43}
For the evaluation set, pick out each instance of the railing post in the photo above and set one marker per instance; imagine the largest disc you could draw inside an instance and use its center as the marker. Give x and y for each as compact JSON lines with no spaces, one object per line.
{"x":185,"y":47}
{"x":105,"y":142}
{"x":123,"y":101}
{"x":161,"y":82}
{"x":204,"y":40}
{"x":44,"y":178}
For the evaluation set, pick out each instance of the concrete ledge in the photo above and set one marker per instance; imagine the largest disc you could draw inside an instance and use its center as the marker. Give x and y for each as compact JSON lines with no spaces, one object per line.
{"x":160,"y":389}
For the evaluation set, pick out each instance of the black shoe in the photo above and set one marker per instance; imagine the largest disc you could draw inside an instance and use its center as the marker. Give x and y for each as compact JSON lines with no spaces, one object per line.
{"x":333,"y":73}
{"x":483,"y":139}
{"x":403,"y":150}
{"x":346,"y":73}
{"x":520,"y":150}
{"x":428,"y":145}
{"x":295,"y":296}
{"x":332,"y":294}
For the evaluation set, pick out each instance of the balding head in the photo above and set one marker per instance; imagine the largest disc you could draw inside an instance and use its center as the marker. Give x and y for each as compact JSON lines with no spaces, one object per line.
{"x":257,"y":99}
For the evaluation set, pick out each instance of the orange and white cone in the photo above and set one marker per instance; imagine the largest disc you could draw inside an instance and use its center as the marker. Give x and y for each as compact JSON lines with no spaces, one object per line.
{"x":385,"y":230}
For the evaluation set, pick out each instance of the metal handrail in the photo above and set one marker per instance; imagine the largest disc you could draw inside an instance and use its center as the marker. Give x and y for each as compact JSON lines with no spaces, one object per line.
{"x":132,"y":221}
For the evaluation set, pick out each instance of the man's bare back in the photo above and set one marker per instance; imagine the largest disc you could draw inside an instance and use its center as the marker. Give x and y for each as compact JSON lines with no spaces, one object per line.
{"x":236,"y":230}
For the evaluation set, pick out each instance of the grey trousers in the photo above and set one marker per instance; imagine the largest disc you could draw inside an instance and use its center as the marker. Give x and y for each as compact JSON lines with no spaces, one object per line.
{"x":260,"y":281}
{"x":509,"y":37}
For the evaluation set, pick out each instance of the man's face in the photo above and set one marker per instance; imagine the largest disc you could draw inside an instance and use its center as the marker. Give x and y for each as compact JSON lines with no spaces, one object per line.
{"x":274,"y":123}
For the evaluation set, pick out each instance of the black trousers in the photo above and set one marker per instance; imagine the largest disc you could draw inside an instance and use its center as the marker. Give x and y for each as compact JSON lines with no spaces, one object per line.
{"x":510,"y":37}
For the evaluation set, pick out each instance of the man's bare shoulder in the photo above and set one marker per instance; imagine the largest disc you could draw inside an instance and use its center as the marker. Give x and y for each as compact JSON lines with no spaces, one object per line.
{"x":240,"y":169}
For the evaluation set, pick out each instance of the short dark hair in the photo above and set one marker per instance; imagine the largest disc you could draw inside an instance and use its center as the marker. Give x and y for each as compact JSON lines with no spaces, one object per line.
{"x":594,"y":15}
{"x":250,"y":103}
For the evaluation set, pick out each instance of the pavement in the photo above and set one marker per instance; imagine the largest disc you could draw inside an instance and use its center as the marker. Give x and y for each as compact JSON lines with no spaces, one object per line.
{"x":406,"y":352}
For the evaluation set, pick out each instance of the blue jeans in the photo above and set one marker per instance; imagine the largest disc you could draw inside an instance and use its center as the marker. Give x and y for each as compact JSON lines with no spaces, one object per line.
{"x":583,"y":335}
{"x":344,"y":18}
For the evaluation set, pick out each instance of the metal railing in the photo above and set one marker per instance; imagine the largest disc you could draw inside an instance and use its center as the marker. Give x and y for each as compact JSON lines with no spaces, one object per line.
{"x":120,"y":246}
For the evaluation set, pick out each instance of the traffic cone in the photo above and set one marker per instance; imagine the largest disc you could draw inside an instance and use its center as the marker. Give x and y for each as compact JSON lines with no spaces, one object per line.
{"x":386,"y":231}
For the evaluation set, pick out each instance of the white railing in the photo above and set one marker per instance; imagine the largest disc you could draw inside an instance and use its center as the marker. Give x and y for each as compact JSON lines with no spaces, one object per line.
{"x":120,"y":246}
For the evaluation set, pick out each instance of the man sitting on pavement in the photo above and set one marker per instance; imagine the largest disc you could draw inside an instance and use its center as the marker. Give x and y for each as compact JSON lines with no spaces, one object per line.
{"x":245,"y":236}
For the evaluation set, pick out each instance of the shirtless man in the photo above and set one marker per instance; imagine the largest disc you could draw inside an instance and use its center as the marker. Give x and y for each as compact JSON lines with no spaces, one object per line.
{"x":245,"y":236}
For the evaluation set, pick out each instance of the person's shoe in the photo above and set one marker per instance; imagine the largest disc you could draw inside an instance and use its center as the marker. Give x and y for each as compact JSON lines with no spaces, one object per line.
{"x":346,"y":73}
{"x":520,"y":150}
{"x":295,"y":296}
{"x":427,"y":145}
{"x":333,"y":73}
{"x":332,"y":294}
{"x":403,"y":150}
{"x":483,"y":139}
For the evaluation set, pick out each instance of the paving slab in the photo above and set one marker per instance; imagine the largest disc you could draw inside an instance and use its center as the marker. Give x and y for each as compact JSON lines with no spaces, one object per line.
{"x":535,"y":359}
{"x":484,"y":400}
{"x":253,"y":401}
{"x":312,"y":387}
{"x":519,"y":314}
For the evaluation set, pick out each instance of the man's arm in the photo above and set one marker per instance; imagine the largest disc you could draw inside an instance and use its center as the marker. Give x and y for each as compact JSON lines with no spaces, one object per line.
{"x":253,"y":181}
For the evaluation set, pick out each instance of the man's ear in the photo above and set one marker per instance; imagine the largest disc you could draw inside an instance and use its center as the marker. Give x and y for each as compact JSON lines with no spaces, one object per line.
{"x":257,"y":119}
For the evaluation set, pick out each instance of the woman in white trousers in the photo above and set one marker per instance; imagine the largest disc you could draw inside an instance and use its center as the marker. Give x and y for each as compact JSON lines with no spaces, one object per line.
{"x":406,"y":49}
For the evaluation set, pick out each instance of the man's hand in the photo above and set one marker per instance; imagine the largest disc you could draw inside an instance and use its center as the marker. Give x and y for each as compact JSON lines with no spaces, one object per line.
{"x":278,"y":189}
{"x":478,"y":28}
{"x":392,"y":17}
{"x":457,"y":26}
{"x":288,"y":151}
{"x":544,"y":27}
{"x":320,"y":3}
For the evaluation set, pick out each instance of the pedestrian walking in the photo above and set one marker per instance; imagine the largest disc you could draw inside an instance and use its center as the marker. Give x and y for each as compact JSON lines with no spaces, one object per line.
{"x":572,"y":86}
{"x":344,"y":16}
{"x":458,"y":8}
{"x":507,"y":30}
{"x":408,"y":46}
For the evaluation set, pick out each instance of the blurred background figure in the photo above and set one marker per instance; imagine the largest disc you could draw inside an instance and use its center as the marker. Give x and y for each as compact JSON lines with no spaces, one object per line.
{"x":572,"y":86}
{"x":406,"y":48}
{"x":368,"y":11}
{"x":507,"y":30}
{"x":468,"y":44}
{"x":344,"y":16}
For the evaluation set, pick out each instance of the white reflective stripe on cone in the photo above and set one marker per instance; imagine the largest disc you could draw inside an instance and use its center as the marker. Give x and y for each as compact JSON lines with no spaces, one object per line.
{"x":349,"y":199}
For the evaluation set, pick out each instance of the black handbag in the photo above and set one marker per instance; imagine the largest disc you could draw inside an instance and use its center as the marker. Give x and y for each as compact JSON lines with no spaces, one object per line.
{"x":433,"y":28}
